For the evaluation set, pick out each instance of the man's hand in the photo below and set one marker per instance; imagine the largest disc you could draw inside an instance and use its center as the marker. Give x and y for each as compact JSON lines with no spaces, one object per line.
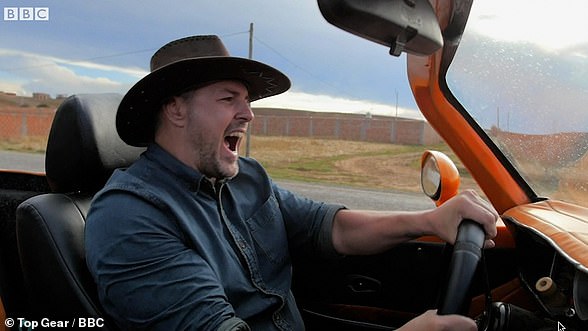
{"x":430,"y":321}
{"x":445,"y":219}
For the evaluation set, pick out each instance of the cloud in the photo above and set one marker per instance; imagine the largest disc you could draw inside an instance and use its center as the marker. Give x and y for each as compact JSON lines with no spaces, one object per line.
{"x":540,"y":26}
{"x":25,"y":73}
{"x":289,"y":35}
{"x":326,"y":103}
{"x":522,"y":79}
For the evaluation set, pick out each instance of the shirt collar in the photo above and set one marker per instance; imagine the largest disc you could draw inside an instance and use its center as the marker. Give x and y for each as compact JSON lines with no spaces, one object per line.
{"x":190,"y":177}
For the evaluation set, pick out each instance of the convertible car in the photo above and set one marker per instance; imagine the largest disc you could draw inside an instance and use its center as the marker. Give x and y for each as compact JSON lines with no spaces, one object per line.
{"x":503,"y":82}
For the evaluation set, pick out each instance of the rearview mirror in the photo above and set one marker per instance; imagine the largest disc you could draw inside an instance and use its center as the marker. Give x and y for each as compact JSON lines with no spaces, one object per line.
{"x":403,"y":25}
{"x":439,"y":177}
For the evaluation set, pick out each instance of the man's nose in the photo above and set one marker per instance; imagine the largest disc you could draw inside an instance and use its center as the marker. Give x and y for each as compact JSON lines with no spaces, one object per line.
{"x":245,"y":112}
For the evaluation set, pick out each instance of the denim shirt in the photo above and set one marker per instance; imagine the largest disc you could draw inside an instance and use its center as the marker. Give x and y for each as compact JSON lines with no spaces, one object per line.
{"x":170,"y":250}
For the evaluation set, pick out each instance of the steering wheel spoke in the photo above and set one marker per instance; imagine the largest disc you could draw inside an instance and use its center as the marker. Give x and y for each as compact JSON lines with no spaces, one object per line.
{"x":465,"y":258}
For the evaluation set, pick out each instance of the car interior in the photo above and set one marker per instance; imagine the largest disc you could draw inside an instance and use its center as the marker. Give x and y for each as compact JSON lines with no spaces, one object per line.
{"x":541,"y":241}
{"x":83,"y":150}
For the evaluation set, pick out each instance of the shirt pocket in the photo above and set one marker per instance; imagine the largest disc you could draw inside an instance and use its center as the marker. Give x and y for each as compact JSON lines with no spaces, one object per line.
{"x":268,"y":231}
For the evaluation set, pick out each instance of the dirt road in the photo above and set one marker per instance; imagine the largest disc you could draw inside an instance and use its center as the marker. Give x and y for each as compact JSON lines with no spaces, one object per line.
{"x":377,"y":199}
{"x":355,"y":198}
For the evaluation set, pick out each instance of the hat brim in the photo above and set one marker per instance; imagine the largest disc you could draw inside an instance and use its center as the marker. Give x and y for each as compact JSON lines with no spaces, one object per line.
{"x":135,"y":118}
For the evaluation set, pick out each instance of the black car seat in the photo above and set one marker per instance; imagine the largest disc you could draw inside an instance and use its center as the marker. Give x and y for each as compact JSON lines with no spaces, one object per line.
{"x":15,"y":187}
{"x":82,"y":152}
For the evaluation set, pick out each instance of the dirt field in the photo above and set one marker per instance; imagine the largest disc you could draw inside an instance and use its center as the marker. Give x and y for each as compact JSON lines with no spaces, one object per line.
{"x":359,"y":164}
{"x":337,"y":162}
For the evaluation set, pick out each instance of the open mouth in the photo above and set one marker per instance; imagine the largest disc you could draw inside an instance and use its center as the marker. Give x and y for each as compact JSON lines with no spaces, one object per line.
{"x":232,"y":141}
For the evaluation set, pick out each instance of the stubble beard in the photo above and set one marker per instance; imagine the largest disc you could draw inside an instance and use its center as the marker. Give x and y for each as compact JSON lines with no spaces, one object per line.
{"x":213,"y":167}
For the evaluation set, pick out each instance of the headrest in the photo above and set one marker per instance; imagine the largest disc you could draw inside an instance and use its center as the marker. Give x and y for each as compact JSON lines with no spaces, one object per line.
{"x":83,"y":147}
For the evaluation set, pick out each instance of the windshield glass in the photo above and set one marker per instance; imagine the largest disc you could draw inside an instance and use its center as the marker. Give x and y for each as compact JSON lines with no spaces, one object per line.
{"x":521,"y":72}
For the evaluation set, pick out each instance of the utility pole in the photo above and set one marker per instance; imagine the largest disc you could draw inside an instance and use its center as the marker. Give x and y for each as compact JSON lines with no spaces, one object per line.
{"x":394,"y":133}
{"x":498,"y":117}
{"x":396,"y":92}
{"x":248,"y":142}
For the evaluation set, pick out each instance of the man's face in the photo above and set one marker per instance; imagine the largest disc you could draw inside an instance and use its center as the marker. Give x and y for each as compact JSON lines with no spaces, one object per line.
{"x":218,"y":116}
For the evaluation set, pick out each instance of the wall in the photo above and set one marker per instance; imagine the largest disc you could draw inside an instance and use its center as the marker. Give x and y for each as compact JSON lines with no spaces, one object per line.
{"x":274,"y":122}
{"x":17,"y":122}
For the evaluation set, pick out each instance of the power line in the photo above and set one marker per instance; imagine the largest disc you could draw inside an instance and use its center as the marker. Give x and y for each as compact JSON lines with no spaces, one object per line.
{"x":151,"y":50}
{"x":308,"y":72}
{"x":234,"y":34}
{"x":227,"y":35}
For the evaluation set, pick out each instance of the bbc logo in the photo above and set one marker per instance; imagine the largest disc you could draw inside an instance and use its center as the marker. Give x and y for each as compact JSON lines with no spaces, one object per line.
{"x":26,"y":13}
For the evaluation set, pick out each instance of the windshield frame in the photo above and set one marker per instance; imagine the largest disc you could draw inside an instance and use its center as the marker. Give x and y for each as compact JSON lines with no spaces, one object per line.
{"x":496,"y":177}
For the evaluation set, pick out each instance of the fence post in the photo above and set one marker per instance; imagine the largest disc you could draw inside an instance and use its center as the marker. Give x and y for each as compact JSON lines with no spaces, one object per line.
{"x":365,"y":125}
{"x":264,"y":127}
{"x":23,"y":125}
{"x":393,"y":134}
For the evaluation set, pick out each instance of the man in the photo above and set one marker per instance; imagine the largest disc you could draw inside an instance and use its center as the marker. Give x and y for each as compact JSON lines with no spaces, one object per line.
{"x":192,"y":236}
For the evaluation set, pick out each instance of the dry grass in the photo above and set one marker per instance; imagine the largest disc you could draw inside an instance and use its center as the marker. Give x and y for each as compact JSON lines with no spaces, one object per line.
{"x":337,"y":162}
{"x":352,"y":163}
{"x":26,"y":144}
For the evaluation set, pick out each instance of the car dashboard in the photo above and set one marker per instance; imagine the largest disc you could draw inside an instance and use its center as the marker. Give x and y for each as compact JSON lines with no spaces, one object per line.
{"x":552,"y":261}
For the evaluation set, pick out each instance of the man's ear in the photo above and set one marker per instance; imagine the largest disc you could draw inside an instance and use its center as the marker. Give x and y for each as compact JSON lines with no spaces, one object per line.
{"x":175,"y":111}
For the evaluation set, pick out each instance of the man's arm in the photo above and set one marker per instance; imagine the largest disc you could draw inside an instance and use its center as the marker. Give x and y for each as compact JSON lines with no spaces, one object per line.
{"x":369,"y":232}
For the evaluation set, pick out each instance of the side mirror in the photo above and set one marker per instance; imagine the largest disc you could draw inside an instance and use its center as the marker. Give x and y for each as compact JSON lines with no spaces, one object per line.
{"x":402,"y":25}
{"x":439,"y":177}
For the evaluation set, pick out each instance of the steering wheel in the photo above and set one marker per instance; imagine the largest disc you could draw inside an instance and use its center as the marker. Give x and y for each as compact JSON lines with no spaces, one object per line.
{"x":440,"y":181}
{"x":465,"y":257}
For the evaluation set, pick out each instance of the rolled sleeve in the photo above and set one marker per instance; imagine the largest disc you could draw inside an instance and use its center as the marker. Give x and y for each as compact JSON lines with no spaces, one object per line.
{"x":325,"y":237}
{"x":234,"y":324}
{"x":309,"y":223}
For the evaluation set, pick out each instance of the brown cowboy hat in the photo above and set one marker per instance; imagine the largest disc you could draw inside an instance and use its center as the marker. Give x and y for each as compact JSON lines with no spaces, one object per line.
{"x":185,"y":64}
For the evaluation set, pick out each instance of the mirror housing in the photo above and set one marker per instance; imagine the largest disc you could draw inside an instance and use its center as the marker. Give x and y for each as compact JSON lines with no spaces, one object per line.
{"x":439,"y":177}
{"x":403,"y":25}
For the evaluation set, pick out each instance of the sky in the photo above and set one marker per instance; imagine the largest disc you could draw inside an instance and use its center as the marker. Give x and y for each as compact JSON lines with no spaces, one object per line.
{"x":525,"y":69}
{"x":105,"y":46}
